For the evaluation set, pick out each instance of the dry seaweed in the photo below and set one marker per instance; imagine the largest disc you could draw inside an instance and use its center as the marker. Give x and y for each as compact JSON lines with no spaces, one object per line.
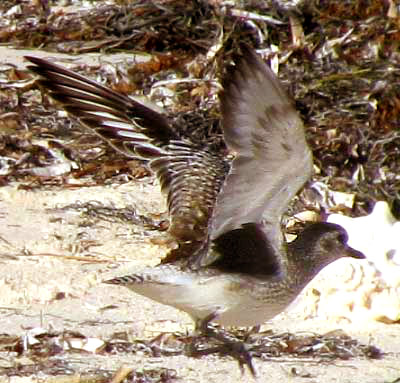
{"x":96,"y":210}
{"x":338,"y":59}
{"x":340,"y":64}
{"x":49,"y":350}
{"x":47,"y":353}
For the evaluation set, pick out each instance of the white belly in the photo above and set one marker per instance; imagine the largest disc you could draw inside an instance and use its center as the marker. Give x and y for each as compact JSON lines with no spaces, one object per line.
{"x":235,"y":302}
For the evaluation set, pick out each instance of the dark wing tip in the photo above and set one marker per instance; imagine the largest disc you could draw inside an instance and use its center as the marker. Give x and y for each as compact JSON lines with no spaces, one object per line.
{"x":35,"y":60}
{"x":73,"y":89}
{"x":248,"y":66}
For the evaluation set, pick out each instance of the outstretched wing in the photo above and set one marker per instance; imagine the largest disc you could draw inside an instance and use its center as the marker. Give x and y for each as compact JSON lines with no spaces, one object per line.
{"x":129,"y":126}
{"x":272,"y":160}
{"x":190,"y":176}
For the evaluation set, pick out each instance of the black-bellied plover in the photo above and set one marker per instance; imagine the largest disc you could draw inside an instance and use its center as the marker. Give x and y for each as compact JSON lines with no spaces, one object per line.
{"x":240,"y":270}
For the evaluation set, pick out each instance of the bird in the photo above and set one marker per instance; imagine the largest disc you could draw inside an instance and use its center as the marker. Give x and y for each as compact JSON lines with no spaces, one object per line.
{"x":233,"y":265}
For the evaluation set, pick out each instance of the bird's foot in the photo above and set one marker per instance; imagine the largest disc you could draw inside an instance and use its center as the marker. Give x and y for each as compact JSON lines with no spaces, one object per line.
{"x":229,"y":345}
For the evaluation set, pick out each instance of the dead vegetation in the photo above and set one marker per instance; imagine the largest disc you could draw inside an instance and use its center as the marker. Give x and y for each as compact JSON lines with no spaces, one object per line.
{"x":339,"y":60}
{"x":48,"y":351}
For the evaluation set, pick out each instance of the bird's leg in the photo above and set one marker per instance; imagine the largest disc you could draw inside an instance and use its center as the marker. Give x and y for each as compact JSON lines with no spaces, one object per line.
{"x":253,"y":330}
{"x":229,"y":345}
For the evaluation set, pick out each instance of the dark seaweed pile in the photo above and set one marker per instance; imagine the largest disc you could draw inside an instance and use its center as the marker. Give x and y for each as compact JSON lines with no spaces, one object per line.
{"x":338,"y":59}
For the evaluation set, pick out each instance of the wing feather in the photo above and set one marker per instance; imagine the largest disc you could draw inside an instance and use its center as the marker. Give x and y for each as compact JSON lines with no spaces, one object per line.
{"x":272,"y":159}
{"x":189,"y":175}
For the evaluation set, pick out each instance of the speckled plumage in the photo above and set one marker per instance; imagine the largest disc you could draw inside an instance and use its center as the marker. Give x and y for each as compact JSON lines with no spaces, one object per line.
{"x":239,"y":295}
{"x":240,"y":270}
{"x":190,"y":174}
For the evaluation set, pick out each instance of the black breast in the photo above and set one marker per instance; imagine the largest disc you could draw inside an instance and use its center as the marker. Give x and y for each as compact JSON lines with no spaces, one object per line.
{"x":246,"y":250}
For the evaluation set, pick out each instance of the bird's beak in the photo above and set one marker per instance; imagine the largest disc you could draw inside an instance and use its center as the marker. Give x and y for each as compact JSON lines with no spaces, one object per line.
{"x":353,"y":253}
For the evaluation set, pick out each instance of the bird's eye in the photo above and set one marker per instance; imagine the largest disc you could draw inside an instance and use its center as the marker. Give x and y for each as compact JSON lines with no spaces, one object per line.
{"x":343,"y":238}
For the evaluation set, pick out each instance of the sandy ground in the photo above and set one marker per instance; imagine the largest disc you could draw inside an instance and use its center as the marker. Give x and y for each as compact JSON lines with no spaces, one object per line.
{"x":52,"y":263}
{"x":57,"y":242}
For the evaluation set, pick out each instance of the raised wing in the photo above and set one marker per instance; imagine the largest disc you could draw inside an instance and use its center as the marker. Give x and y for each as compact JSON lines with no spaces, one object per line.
{"x":122,"y":121}
{"x":272,"y":160}
{"x":190,"y":176}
